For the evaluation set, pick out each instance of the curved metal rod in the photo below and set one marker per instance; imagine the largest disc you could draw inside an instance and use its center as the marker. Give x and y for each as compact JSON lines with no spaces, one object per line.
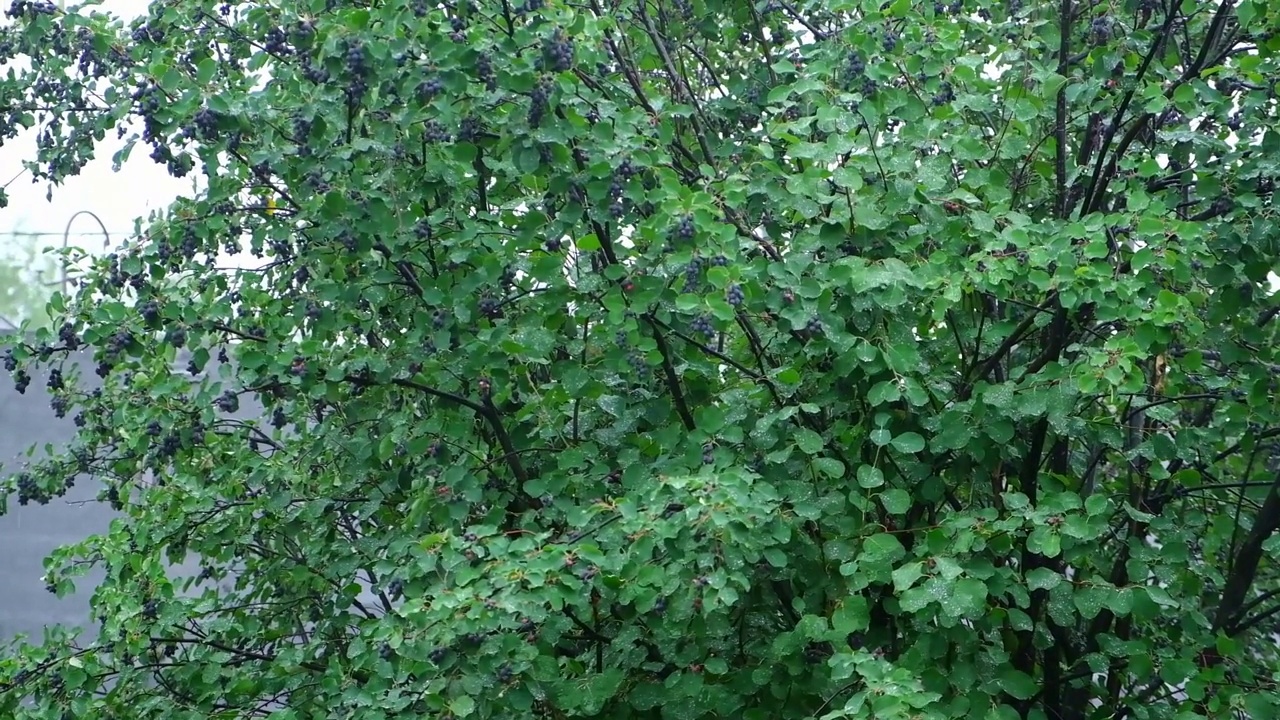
{"x":66,"y":239}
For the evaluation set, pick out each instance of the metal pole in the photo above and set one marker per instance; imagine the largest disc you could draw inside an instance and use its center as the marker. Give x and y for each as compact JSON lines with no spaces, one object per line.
{"x":66,"y":239}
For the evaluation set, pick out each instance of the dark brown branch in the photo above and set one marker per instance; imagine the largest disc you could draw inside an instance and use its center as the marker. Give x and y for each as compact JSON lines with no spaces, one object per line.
{"x":673,"y":382}
{"x":1097,"y":186}
{"x":1246,"y":563}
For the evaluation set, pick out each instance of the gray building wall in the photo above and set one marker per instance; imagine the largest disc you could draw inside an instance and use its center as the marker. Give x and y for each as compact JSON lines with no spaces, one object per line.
{"x":28,"y":534}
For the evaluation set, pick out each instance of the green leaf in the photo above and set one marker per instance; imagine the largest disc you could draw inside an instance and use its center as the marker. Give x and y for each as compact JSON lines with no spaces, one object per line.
{"x":462,"y":706}
{"x":909,"y":442}
{"x":852,"y":615}
{"x":1018,"y":684}
{"x":1043,"y":579}
{"x":895,"y":501}
{"x":205,"y":70}
{"x":870,"y":476}
{"x":809,"y":442}
{"x":968,"y":599}
{"x":829,"y":467}
{"x":906,"y":576}
{"x":882,"y":547}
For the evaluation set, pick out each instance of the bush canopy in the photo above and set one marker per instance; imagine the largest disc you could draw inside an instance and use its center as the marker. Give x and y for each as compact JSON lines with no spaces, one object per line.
{"x":666,"y":359}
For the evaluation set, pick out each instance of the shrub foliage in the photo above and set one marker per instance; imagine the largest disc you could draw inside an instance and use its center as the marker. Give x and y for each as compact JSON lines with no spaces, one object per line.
{"x":667,"y":358}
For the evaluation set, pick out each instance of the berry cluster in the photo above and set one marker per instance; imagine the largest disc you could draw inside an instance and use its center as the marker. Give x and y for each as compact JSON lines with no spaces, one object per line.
{"x":149,"y":99}
{"x":557,"y":52}
{"x":945,"y":95}
{"x":539,"y":101}
{"x":485,"y":72}
{"x":315,"y":74}
{"x":684,"y":229}
{"x":119,"y":343}
{"x":19,"y":8}
{"x":303,"y":32}
{"x":29,"y":491}
{"x":433,"y":132}
{"x":357,"y":62}
{"x":89,"y":63}
{"x":1101,"y":30}
{"x":10,"y":361}
{"x":396,"y":589}
{"x":814,"y":326}
{"x":67,"y":334}
{"x":702,"y":324}
{"x":735,"y":295}
{"x":112,"y":497}
{"x":302,"y":130}
{"x":146,"y":32}
{"x":277,"y":42}
{"x":429,"y":88}
{"x":206,"y":124}
{"x":458,"y":29}
{"x":621,"y":176}
{"x":955,"y":8}
{"x":21,"y":381}
{"x":150,"y":311}
{"x":708,"y":453}
{"x":634,"y":357}
{"x":471,"y":129}
{"x":228,"y":401}
{"x":854,"y":65}
{"x":170,"y":446}
{"x":1170,"y":117}
{"x":890,"y":41}
{"x":692,"y":275}
{"x":638,"y":364}
{"x":490,"y":307}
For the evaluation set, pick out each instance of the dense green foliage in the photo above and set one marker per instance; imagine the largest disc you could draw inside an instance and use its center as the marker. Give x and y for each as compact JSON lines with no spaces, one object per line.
{"x":670,"y":358}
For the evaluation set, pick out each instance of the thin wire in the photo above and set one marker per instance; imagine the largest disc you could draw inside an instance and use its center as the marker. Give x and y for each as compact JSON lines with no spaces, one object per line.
{"x":59,"y":233}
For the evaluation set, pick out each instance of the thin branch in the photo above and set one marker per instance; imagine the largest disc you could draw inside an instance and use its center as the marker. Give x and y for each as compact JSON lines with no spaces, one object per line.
{"x":673,"y":382}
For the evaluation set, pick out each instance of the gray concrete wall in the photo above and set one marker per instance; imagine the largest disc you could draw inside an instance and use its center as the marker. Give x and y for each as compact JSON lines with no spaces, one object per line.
{"x":28,"y":534}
